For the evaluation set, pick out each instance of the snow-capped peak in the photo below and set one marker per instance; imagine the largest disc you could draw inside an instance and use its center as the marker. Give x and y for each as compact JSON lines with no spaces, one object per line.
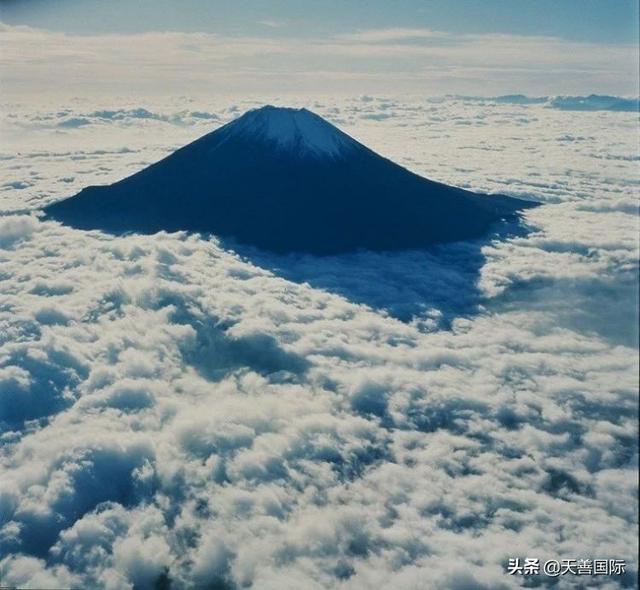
{"x":293,"y":129}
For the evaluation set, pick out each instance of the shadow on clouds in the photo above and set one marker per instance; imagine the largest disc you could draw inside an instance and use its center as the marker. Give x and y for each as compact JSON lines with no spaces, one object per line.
{"x":433,"y":286}
{"x":215,"y":351}
{"x":590,"y":305}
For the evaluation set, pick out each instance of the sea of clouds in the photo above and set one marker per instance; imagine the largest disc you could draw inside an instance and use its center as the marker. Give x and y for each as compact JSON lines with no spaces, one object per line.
{"x":174,"y":414}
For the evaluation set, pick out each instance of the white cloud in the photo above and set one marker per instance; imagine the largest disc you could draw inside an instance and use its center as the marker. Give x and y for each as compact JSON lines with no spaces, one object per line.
{"x":391,"y":34}
{"x":15,"y":229}
{"x":273,"y":23}
{"x":408,"y":60}
{"x":176,"y":412}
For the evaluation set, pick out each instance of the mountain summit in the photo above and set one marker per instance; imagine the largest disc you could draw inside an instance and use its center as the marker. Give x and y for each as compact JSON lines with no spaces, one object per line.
{"x":286,"y":180}
{"x":296,"y":130}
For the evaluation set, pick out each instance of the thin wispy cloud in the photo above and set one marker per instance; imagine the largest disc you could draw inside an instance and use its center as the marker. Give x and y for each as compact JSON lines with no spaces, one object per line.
{"x":417,"y":60}
{"x":273,"y":23}
{"x":391,"y":34}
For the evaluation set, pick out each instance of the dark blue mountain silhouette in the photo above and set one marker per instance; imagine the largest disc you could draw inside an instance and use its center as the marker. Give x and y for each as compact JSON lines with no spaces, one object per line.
{"x":286,"y":180}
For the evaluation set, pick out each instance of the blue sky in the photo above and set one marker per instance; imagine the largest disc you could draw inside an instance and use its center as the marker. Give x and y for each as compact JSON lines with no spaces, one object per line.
{"x":609,"y":21}
{"x":431,"y":47}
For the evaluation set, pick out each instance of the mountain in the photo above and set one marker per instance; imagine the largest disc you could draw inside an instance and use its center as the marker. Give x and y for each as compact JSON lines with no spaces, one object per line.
{"x":596,"y":102}
{"x":287,"y":180}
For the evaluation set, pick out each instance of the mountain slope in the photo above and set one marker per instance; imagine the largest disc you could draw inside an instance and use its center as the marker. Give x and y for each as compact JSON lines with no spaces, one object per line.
{"x":287,"y":180}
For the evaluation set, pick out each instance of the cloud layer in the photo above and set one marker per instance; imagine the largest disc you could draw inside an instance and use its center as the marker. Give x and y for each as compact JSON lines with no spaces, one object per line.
{"x":175,"y":413}
{"x":407,"y":60}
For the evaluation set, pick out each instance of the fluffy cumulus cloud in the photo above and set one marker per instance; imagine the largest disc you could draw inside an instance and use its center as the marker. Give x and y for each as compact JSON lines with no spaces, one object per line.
{"x":178,"y":415}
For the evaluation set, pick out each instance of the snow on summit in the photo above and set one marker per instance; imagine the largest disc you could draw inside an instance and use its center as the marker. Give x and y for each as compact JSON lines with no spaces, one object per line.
{"x":298,"y":129}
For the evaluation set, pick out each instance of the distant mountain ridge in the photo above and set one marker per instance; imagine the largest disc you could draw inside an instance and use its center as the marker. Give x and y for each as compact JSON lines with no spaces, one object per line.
{"x":287,"y":180}
{"x":593,"y":102}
